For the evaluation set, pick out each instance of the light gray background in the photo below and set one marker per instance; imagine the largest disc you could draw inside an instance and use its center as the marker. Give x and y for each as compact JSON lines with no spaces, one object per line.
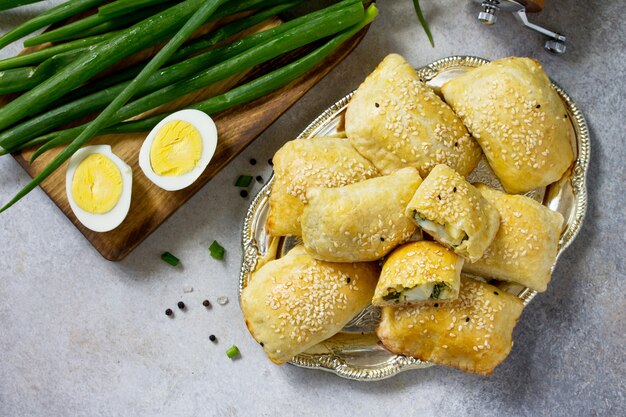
{"x":81,"y":336}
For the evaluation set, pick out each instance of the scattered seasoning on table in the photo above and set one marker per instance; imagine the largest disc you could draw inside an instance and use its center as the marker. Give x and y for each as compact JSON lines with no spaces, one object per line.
{"x":187,"y":289}
{"x":243,"y":181}
{"x":170,"y":259}
{"x":217,"y":251}
{"x":259,"y":178}
{"x":212,"y":338}
{"x":206,"y":303}
{"x":181,"y":305}
{"x":169,"y":312}
{"x":233,"y":352}
{"x":243,"y":193}
{"x":252,"y":161}
{"x":223,"y":300}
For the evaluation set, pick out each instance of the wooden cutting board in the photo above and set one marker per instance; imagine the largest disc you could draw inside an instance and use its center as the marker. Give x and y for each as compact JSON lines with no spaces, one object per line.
{"x":150,"y":205}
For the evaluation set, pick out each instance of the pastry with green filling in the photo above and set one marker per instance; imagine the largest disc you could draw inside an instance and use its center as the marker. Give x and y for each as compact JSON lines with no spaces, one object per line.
{"x":455,"y":213}
{"x":418,"y":272}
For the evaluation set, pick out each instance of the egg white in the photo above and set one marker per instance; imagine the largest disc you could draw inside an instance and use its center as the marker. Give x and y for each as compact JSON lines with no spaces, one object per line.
{"x":208,"y":132}
{"x":108,"y":221}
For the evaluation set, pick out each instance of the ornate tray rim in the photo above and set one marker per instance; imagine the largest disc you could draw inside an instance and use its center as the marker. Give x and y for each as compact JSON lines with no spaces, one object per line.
{"x":400,"y":363}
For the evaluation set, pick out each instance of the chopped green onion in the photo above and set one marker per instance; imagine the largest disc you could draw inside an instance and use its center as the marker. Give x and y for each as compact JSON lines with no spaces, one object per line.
{"x":423,"y":22}
{"x":232,"y":352}
{"x":217,"y":251}
{"x":170,"y":259}
{"x":243,"y":181}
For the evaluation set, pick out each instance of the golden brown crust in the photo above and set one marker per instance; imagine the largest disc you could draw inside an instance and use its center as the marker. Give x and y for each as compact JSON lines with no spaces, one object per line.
{"x":472,"y":333}
{"x":446,"y":198}
{"x":512,"y":110}
{"x":359,"y":222}
{"x":303,"y":163}
{"x":525,"y":247}
{"x":295,"y":302}
{"x":395,"y":120}
{"x":414,"y":264}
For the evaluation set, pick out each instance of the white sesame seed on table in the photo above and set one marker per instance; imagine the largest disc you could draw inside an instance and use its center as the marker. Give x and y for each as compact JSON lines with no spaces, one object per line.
{"x":81,"y":336}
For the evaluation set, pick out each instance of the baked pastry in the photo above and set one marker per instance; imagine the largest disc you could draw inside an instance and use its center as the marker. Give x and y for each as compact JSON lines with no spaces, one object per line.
{"x":525,"y":247}
{"x":519,"y":120}
{"x":395,"y":120}
{"x":359,"y":222}
{"x":303,"y":163}
{"x":472,"y":333}
{"x":455,"y":213}
{"x":417,"y":272}
{"x":295,"y":302}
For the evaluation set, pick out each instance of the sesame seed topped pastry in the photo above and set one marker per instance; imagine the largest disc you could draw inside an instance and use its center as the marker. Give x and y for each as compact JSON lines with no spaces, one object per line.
{"x":303,"y":163}
{"x":417,"y":272}
{"x":455,"y":213}
{"x":295,"y":302}
{"x":518,"y":119}
{"x":472,"y":333}
{"x":359,"y":222}
{"x":525,"y":247}
{"x":395,"y":120}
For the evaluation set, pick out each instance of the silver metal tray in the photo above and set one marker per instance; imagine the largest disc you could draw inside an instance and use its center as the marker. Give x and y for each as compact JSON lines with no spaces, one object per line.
{"x":356,"y":353}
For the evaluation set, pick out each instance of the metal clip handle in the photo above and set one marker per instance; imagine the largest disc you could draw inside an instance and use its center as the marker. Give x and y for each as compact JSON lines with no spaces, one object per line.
{"x":555,"y":45}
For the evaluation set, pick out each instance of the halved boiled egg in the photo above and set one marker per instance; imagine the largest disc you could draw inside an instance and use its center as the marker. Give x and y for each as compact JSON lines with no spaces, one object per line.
{"x":178,"y":150}
{"x":98,"y":186}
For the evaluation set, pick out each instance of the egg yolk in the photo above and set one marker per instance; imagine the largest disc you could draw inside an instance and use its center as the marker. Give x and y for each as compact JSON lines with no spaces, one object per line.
{"x":97,"y":184}
{"x":176,"y":149}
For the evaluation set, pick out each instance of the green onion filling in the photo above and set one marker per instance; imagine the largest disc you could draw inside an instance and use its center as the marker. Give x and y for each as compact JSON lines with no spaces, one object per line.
{"x":391,"y":296}
{"x":437,"y":289}
{"x":217,"y":251}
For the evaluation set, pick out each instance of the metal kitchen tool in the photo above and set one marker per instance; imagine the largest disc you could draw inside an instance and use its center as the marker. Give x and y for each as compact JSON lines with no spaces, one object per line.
{"x":556,"y":43}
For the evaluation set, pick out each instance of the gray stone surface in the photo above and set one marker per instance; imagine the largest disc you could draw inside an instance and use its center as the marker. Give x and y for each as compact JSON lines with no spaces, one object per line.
{"x":80,"y":336}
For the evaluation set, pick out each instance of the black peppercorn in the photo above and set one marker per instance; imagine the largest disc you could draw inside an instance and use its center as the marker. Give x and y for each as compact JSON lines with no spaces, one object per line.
{"x":212,"y":338}
{"x":259,"y":178}
{"x":169,"y":312}
{"x":243,"y":193}
{"x":269,"y":161}
{"x":206,"y":303}
{"x":181,"y":305}
{"x":252,"y":161}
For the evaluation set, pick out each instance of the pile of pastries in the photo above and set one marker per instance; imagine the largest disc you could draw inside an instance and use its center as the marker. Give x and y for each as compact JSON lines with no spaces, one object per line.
{"x":386,"y":216}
